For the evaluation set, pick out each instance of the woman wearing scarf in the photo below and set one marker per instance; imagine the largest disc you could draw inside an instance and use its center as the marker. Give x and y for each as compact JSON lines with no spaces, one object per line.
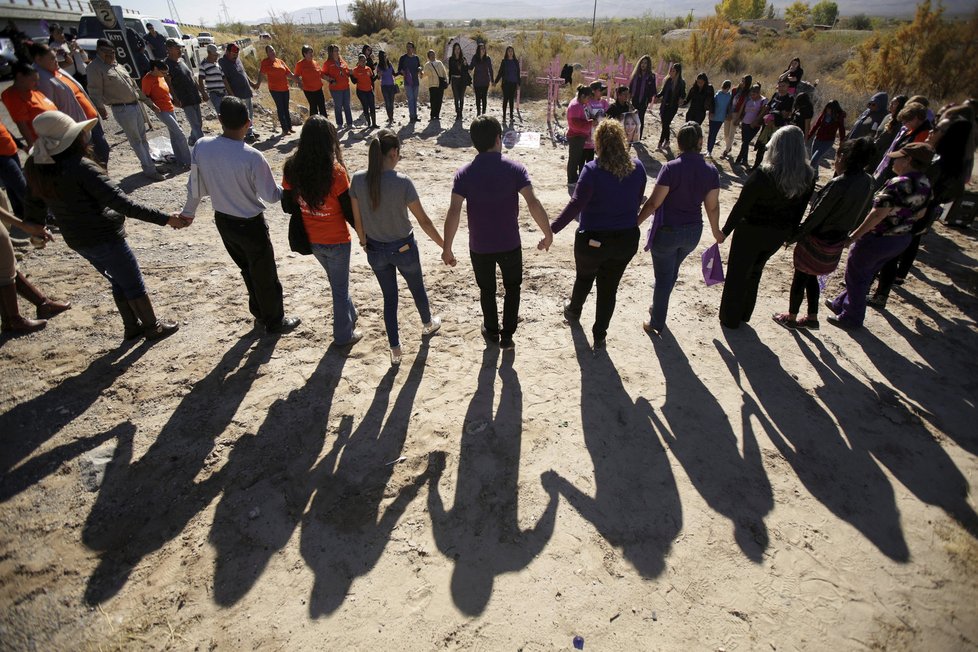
{"x":870,"y":120}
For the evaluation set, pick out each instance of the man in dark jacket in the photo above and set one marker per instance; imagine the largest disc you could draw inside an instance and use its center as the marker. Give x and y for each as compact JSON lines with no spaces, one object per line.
{"x":184,"y":90}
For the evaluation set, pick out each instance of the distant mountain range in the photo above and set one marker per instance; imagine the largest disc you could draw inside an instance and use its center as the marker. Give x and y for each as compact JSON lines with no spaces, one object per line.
{"x":518,"y":9}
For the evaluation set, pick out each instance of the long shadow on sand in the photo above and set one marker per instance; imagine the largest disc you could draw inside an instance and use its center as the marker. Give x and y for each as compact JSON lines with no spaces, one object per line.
{"x":481,"y":530}
{"x":636,"y":506}
{"x":144,"y":504}
{"x":698,"y":432}
{"x":846,"y":479}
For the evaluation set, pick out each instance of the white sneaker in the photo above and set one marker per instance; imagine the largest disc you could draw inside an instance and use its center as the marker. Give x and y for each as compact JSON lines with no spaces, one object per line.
{"x":431,"y":327}
{"x":395,"y":356}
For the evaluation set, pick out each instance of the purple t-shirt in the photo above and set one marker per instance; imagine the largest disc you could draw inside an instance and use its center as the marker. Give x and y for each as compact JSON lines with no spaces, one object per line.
{"x":604,"y":202}
{"x":689,"y":179}
{"x":490,"y":185}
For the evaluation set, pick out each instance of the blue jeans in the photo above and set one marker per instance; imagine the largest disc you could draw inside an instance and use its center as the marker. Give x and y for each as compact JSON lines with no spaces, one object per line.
{"x":669,"y":249}
{"x":819,"y":149}
{"x":130,"y":118}
{"x":12,"y":178}
{"x":196,"y":120}
{"x":115,"y":261}
{"x":389,"y":92}
{"x":412,"y":97}
{"x":335,"y":259}
{"x":100,"y":146}
{"x":341,"y":106}
{"x":181,"y":151}
{"x":216,"y":97}
{"x":711,"y":141}
{"x":386,"y":260}
{"x":282,"y":108}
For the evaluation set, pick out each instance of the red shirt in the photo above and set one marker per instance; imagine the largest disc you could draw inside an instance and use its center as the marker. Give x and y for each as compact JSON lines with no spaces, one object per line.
{"x":276,"y":72}
{"x":340,"y":73}
{"x":364,"y":77}
{"x":24,"y":107}
{"x":80,"y":95}
{"x":157,"y":90}
{"x":312,"y":77}
{"x":325,"y":224}
{"x":7,"y":145}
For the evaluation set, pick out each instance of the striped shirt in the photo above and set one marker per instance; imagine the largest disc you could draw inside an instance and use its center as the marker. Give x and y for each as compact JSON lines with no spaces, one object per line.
{"x":212,"y":75}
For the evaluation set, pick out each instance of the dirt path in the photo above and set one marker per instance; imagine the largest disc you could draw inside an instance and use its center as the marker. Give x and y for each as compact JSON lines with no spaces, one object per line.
{"x":747,"y":490}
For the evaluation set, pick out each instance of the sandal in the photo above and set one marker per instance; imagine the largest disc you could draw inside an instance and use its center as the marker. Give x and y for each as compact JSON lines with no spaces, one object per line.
{"x":785,"y":320}
{"x":805,"y":322}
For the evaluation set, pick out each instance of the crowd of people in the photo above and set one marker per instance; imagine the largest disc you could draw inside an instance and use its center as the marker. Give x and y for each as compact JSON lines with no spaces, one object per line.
{"x":896,"y":166}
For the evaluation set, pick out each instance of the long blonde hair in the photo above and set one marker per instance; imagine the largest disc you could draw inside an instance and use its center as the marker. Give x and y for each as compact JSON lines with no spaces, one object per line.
{"x":611,"y":149}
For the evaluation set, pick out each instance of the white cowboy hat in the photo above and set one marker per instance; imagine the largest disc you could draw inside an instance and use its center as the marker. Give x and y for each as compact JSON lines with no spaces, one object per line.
{"x":56,"y":132}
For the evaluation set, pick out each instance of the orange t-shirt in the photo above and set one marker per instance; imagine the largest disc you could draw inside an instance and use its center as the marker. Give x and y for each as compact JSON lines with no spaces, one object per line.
{"x":341,"y":73}
{"x":80,"y":95}
{"x":276,"y":72}
{"x":326,"y":224}
{"x":7,"y":145}
{"x":156,"y":89}
{"x":364,"y":77}
{"x":25,"y":108}
{"x":312,"y":78}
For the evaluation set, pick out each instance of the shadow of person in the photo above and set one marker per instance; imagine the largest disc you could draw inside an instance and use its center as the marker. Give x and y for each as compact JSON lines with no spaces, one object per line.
{"x":144,"y":504}
{"x":698,"y":433}
{"x":894,"y":435}
{"x":433,"y":128}
{"x":26,"y":426}
{"x":347,"y":528}
{"x":269,"y":480}
{"x":481,"y":530}
{"x":636,"y":505}
{"x":652,"y":165}
{"x":848,"y":482}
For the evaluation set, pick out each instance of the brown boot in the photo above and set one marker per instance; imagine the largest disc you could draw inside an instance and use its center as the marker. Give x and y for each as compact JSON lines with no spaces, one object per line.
{"x":10,"y":319}
{"x":153,"y":328}
{"x":46,"y":308}
{"x":133,"y":329}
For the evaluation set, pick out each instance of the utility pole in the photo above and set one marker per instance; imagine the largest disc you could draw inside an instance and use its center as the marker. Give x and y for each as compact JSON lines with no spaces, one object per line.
{"x":172,"y":7}
{"x":594,"y":17}
{"x":338,"y":19}
{"x":227,"y":16}
{"x":404,"y":9}
{"x":320,"y":9}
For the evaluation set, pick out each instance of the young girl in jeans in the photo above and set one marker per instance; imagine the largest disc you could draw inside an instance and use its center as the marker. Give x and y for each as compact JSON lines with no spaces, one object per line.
{"x":385,"y":72}
{"x":381,"y":198}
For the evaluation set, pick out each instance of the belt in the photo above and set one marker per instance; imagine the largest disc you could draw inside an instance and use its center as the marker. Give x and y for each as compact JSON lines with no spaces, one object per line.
{"x":125,"y":103}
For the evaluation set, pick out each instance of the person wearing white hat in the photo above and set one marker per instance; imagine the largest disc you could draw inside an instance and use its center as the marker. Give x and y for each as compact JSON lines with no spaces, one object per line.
{"x":62,"y":178}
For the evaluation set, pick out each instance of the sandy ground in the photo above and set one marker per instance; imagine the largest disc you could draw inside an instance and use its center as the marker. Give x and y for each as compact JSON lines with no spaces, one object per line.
{"x":222,"y":490}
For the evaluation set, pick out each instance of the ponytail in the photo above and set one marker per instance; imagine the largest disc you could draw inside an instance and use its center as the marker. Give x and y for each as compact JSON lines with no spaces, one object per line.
{"x":583,"y":91}
{"x":380,"y":146}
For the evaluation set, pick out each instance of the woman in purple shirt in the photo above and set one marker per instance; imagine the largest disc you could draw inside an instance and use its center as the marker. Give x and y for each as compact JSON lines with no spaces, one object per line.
{"x":606,"y":199}
{"x":683,"y":187}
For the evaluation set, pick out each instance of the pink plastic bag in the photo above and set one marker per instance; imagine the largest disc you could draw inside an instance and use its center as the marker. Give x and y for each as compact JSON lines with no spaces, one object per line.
{"x":712,"y":266}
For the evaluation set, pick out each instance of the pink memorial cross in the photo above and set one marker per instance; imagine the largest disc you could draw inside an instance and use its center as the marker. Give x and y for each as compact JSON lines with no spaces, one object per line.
{"x":554,"y":83}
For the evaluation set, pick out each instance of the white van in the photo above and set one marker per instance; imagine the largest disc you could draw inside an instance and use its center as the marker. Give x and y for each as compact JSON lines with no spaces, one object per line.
{"x":90,"y":29}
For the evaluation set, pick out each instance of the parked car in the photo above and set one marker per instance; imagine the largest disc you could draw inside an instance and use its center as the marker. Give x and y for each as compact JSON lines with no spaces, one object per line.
{"x":7,"y":56}
{"x":205,"y":38}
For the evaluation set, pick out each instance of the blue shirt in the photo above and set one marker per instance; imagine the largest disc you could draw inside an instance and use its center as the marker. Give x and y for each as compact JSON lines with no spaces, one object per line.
{"x":721,"y":105}
{"x":604,"y":202}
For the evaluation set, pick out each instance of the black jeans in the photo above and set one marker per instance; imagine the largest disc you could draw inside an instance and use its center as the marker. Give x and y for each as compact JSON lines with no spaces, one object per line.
{"x":369,"y":104}
{"x":511,"y":265}
{"x":576,"y":157}
{"x":509,"y":99}
{"x":751,"y":248}
{"x":281,"y":99}
{"x":389,"y":92}
{"x":458,"y":95}
{"x":801,"y":285}
{"x":601,"y":256}
{"x":641,"y":108}
{"x":481,"y":99}
{"x":747,"y":134}
{"x":667,"y":114}
{"x":436,"y":95}
{"x":249,"y":246}
{"x":317,"y":102}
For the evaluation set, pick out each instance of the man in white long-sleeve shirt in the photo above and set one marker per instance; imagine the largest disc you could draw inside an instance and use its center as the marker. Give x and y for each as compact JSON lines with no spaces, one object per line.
{"x":239,"y":181}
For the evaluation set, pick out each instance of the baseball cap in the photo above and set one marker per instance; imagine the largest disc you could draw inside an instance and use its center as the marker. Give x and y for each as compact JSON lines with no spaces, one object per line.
{"x":232,"y":47}
{"x":172,"y":43}
{"x":211,"y":48}
{"x":597,"y":83}
{"x":920,"y":152}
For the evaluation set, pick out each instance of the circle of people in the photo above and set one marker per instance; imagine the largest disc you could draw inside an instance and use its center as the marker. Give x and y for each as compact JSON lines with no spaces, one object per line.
{"x":894,"y":169}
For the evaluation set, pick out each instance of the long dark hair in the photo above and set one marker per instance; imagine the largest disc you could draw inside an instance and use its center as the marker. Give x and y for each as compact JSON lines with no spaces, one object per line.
{"x":380,"y":146}
{"x":461,"y":55}
{"x":745,"y":83}
{"x":382,"y":62}
{"x":44,"y":180}
{"x":310,"y":169}
{"x":480,"y":47}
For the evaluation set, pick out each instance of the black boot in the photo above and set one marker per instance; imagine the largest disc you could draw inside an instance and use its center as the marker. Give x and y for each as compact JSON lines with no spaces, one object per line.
{"x":133,"y":329}
{"x":153,"y":328}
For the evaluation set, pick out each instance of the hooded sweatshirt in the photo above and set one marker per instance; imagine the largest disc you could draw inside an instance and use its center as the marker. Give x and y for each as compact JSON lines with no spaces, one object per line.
{"x":869,"y":121}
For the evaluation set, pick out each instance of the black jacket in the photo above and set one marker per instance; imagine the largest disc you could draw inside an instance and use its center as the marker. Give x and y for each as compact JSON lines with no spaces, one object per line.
{"x":85,"y":191}
{"x":838,"y":208}
{"x":761,"y":203}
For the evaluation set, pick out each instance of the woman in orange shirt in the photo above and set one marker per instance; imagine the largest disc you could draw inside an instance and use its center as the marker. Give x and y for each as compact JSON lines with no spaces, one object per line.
{"x":337,"y":73}
{"x":156,"y":89}
{"x":364,"y":76}
{"x":24,"y":102}
{"x":315,"y":182}
{"x":308,"y":70}
{"x":278,"y":74}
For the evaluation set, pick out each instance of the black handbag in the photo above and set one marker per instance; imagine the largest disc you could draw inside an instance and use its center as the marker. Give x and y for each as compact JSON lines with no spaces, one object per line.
{"x":298,"y":238}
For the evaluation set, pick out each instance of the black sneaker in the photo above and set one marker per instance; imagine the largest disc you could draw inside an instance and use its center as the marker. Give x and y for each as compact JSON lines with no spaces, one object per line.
{"x":287,"y":325}
{"x":492,"y":338}
{"x":569,"y":315}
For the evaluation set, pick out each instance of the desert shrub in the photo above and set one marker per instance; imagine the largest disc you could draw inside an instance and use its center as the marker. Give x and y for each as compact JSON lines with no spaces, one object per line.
{"x":741,"y":9}
{"x":371,"y":16}
{"x":711,"y":43}
{"x":825,"y":12}
{"x":860,"y":22}
{"x":797,"y":15}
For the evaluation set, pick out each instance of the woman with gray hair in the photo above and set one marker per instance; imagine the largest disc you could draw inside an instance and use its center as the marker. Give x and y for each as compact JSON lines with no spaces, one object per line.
{"x":771,"y":204}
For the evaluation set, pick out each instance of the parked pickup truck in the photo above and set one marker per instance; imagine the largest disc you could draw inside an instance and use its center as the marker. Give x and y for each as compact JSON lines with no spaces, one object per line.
{"x":90,"y":29}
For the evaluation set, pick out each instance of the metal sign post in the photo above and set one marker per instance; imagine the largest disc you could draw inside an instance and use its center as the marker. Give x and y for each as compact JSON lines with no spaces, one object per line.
{"x":115,"y":32}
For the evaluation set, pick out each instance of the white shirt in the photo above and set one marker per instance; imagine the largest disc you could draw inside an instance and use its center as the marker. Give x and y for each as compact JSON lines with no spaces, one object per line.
{"x":235,"y":175}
